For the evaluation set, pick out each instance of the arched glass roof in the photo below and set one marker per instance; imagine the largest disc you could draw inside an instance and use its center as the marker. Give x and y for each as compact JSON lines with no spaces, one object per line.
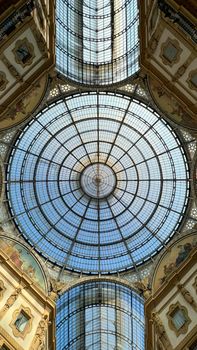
{"x":97,"y":40}
{"x":100,"y":315}
{"x":97,"y":182}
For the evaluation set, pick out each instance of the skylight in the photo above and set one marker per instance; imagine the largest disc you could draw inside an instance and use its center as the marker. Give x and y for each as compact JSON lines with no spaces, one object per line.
{"x":97,"y":183}
{"x":97,"y":41}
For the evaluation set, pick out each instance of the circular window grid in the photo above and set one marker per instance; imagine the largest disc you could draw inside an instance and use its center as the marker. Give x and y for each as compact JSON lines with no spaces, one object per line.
{"x":85,"y":232}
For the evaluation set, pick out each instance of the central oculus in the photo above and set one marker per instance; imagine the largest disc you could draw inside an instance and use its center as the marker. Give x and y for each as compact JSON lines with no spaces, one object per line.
{"x":98,"y":180}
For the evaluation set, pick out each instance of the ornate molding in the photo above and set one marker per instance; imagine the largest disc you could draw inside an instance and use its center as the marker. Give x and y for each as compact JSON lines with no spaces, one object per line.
{"x":2,"y":289}
{"x":24,"y":52}
{"x":9,"y":339}
{"x":192,"y":84}
{"x":28,"y":327}
{"x":41,"y":43}
{"x":56,"y":288}
{"x":10,"y":301}
{"x":187,"y":296}
{"x":195,"y":285}
{"x":39,"y":338}
{"x":143,"y":287}
{"x":3,"y":81}
{"x":170,"y":52}
{"x":10,"y":67}
{"x":163,"y":340}
{"x":172,"y":310}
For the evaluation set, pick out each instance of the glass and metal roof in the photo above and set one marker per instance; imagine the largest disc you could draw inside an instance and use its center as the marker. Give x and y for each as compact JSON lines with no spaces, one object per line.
{"x":97,"y":40}
{"x":100,"y":315}
{"x":97,"y":182}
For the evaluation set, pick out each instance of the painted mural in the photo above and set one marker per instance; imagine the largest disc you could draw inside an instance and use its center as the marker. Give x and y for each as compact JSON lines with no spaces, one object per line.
{"x":172,"y":259}
{"x":23,"y":260}
{"x":170,"y":106}
{"x":23,"y":108}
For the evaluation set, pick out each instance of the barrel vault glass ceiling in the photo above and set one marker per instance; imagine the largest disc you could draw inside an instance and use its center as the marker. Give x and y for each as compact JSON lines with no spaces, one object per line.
{"x":97,"y":40}
{"x":97,"y":182}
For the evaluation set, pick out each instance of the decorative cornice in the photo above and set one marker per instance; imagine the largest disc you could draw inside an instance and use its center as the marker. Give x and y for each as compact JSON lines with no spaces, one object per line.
{"x":10,"y":339}
{"x":26,"y":281}
{"x":10,"y":301}
{"x":177,"y":17}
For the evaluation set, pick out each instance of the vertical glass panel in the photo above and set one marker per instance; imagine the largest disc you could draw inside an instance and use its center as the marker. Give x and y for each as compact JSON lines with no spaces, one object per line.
{"x":100,"y":315}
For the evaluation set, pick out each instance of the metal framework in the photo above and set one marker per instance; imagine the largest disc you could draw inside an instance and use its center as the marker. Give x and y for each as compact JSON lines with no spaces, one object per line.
{"x":97,"y":182}
{"x":100,"y":315}
{"x":97,"y":41}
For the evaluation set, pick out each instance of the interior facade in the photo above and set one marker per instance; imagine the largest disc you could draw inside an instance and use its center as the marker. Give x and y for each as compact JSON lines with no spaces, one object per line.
{"x":98,"y":199}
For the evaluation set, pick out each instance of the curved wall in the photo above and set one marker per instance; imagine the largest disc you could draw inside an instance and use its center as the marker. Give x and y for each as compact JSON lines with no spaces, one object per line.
{"x":99,"y":315}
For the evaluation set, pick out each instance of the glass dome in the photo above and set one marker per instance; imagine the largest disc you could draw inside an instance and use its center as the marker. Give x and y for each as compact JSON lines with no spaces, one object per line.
{"x":97,"y":182}
{"x":100,"y":315}
{"x":97,"y":40}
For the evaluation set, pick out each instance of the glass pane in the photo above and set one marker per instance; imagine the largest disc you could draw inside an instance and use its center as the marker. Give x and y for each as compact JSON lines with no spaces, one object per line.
{"x":99,"y":315}
{"x":21,"y":322}
{"x":97,"y":41}
{"x":97,"y":182}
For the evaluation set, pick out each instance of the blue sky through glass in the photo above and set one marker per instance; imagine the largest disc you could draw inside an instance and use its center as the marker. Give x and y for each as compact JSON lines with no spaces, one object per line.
{"x":100,"y":313}
{"x":97,"y":41}
{"x":97,"y":182}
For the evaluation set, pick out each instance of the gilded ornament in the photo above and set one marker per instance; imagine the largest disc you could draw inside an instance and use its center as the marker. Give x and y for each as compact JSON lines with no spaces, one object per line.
{"x":24,"y":52}
{"x":3,"y":81}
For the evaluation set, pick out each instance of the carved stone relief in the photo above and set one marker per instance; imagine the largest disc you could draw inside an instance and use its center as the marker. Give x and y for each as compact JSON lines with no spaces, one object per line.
{"x":39,"y":338}
{"x":2,"y":289}
{"x":195,"y":285}
{"x":160,"y":332}
{"x":10,"y":67}
{"x":3,"y":81}
{"x":10,"y":301}
{"x":187,"y":296}
{"x":192,"y":80}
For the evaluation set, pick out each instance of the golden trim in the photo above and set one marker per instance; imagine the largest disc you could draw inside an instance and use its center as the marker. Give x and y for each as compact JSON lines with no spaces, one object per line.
{"x":188,"y":340}
{"x":28,"y":326}
{"x":44,"y":69}
{"x":25,"y":280}
{"x":148,"y":66}
{"x":10,"y":341}
{"x":10,"y":301}
{"x":162,"y":337}
{"x":189,"y":80}
{"x":3,"y":81}
{"x":195,"y":284}
{"x":187,"y":296}
{"x":164,"y":46}
{"x":182,"y":9}
{"x":39,"y":338}
{"x":2,"y":289}
{"x":163,"y":291}
{"x":183,"y":329}
{"x":154,"y":17}
{"x":24,"y":52}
